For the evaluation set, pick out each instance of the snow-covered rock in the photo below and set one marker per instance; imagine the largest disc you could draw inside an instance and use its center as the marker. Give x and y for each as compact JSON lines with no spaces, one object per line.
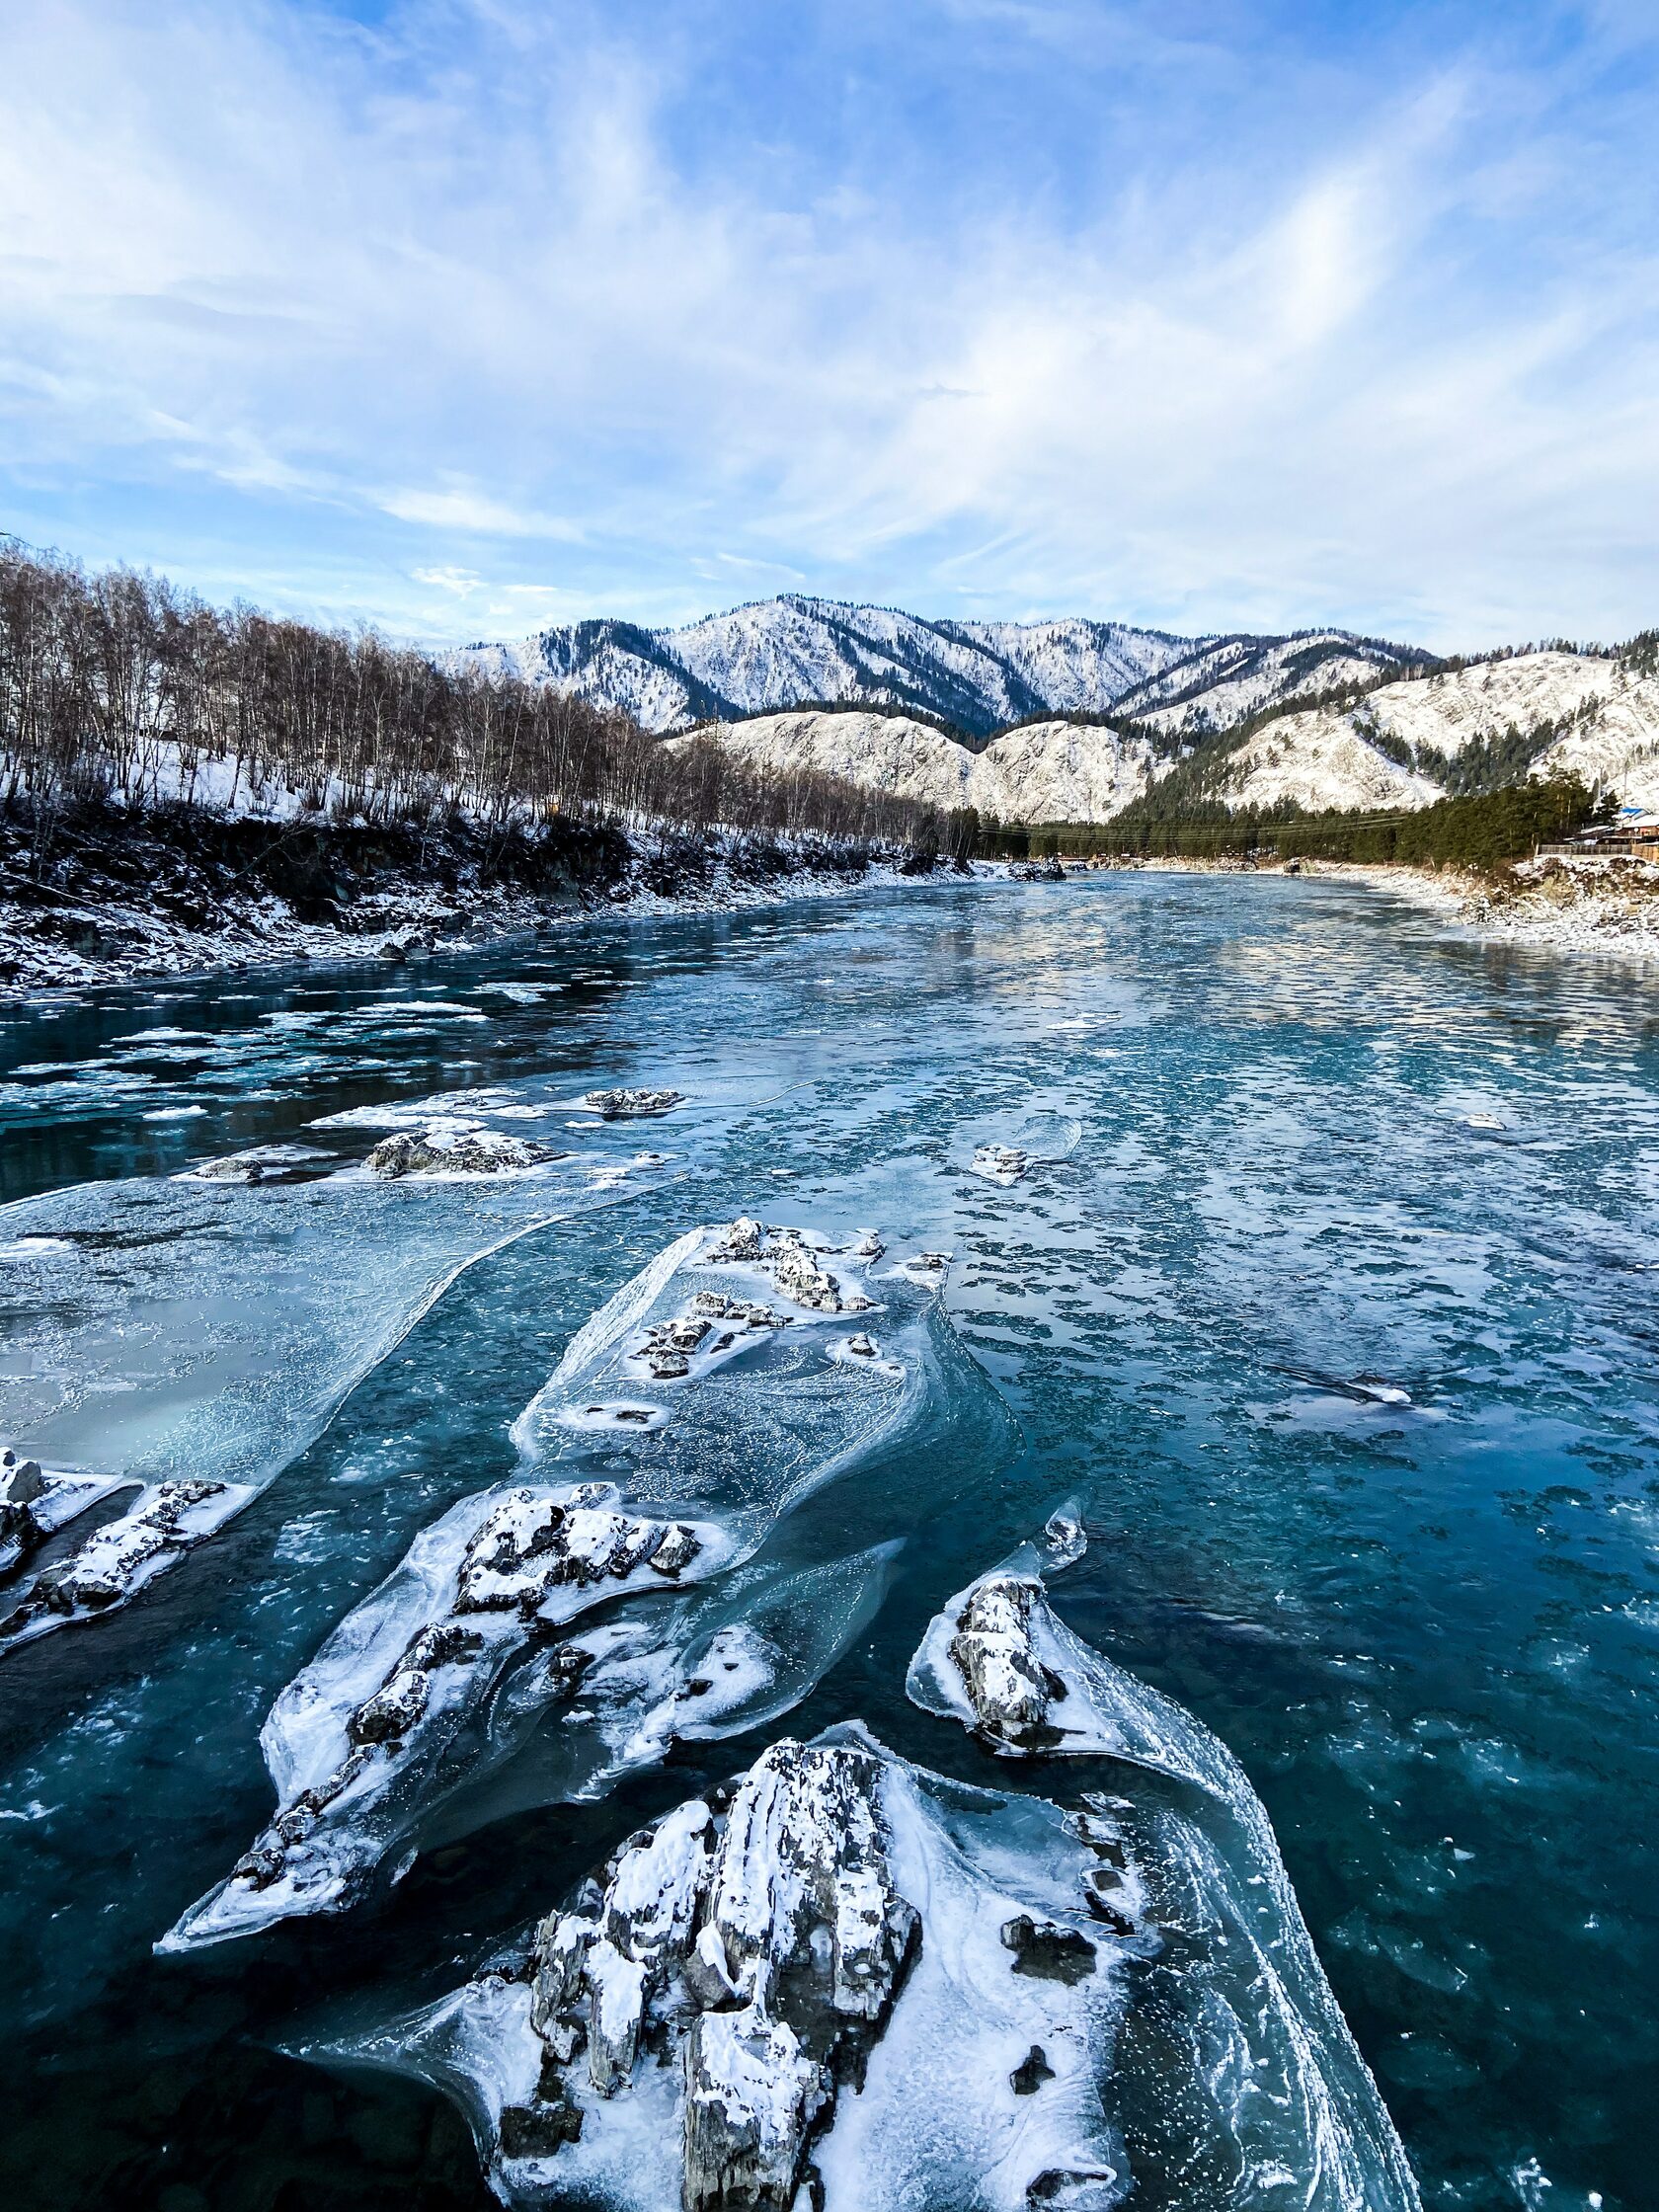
{"x":802,"y":1990}
{"x":449,"y":1147}
{"x":1270,"y":2066}
{"x":387,"y":1700}
{"x":117,"y":1559}
{"x":36,"y":1502}
{"x":631,"y":1105}
{"x":998,"y":1164}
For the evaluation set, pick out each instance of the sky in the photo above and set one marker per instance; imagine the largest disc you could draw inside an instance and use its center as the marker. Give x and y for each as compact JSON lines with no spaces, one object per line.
{"x":461,"y":317}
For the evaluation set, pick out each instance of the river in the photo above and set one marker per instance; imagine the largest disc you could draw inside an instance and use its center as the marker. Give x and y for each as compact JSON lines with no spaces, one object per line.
{"x":1328,"y":1293}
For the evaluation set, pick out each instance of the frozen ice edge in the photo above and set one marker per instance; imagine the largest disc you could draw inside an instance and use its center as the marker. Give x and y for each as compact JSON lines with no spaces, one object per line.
{"x":32,"y":1617}
{"x":676,"y":1670}
{"x":1349,"y":2155}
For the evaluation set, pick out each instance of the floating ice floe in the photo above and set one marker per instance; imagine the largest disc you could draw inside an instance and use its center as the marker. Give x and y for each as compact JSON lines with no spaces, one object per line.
{"x":275,"y":1306}
{"x":36,"y":1502}
{"x":1255,"y":2068}
{"x":709,"y":1413}
{"x":631,"y":1105}
{"x":844,"y":1982}
{"x":998,"y":1164}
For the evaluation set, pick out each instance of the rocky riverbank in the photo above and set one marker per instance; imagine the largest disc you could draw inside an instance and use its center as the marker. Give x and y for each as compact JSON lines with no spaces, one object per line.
{"x":103,"y":895}
{"x":1608,"y":908}
{"x":1580,"y":907}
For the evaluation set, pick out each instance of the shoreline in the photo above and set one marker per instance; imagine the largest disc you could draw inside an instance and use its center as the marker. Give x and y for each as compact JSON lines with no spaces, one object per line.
{"x":106,"y":938}
{"x":1583,"y":909}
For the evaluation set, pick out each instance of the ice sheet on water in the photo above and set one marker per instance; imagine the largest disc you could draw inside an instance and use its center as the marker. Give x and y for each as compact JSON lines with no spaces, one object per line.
{"x":753,"y":1414}
{"x":381,"y":1717}
{"x":172,"y":1330}
{"x":1249,"y":2084}
{"x":982,"y":2067}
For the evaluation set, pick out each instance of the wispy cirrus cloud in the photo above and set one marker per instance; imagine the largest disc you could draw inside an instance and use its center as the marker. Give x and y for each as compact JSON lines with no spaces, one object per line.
{"x":1200,"y":315}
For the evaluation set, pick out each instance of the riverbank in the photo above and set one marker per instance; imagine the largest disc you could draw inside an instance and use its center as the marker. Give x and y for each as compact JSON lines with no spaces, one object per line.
{"x":179,"y":891}
{"x":1584,"y":908}
{"x":1581,"y":907}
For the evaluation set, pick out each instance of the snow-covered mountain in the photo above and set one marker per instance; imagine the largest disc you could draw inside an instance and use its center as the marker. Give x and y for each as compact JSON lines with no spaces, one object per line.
{"x":1223,"y":681}
{"x":1404,"y":745}
{"x":1466,"y":729}
{"x":978,"y":676}
{"x":1044,"y":771}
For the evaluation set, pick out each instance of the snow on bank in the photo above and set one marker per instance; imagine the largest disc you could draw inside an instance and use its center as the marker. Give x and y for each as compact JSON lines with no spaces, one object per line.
{"x":1608,"y":909}
{"x":104,"y":935}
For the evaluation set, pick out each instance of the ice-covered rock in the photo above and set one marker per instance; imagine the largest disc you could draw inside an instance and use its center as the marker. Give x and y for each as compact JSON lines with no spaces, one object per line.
{"x":374,"y":1718}
{"x":998,"y":1164}
{"x":1013,"y":1694}
{"x":1257,"y":2058}
{"x":455,"y":1148}
{"x":632,"y":1105}
{"x":119,"y":1558}
{"x":798,"y":1991}
{"x":477,"y":1642}
{"x":36,"y":1502}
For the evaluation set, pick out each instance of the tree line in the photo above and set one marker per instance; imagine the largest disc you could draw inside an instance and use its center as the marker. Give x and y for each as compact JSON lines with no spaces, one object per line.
{"x":118,"y":687}
{"x":1486,"y":830}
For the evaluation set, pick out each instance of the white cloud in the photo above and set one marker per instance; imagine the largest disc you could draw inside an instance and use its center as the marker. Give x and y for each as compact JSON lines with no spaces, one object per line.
{"x":1363,"y":345}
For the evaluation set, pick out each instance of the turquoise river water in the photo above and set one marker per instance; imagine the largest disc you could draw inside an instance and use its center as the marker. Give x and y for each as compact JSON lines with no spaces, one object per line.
{"x":1329,"y":1294}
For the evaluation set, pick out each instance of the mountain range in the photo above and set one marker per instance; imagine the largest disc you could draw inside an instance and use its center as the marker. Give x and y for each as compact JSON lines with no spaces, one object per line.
{"x":976,"y":678}
{"x":1072,"y":720}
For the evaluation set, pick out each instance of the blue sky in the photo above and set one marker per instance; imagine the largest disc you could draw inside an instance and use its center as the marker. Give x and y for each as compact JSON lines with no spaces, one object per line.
{"x":463,"y":316}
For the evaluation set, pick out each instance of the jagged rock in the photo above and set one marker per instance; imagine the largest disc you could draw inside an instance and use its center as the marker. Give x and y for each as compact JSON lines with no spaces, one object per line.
{"x":538,"y":2130}
{"x":678,"y":1547}
{"x":561,"y":1953}
{"x":1048,"y":1951}
{"x":443,"y":1152}
{"x":235,"y":1167}
{"x":101,"y":1572}
{"x":651,"y":1902}
{"x":23,"y":1482}
{"x":776,"y":1947}
{"x":631,"y":1105}
{"x":745,"y":1240}
{"x":751,"y":2098}
{"x":1031,"y":2073}
{"x":862,"y":1347}
{"x":1011,"y":1691}
{"x":617,"y":2013}
{"x":531,"y":1544}
{"x":393,"y":1710}
{"x":802,"y":1281}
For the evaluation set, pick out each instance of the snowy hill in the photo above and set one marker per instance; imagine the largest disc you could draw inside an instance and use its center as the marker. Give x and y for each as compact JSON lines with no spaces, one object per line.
{"x":1046,"y":771}
{"x":1466,"y":729}
{"x":1404,"y":745}
{"x":980,"y":676}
